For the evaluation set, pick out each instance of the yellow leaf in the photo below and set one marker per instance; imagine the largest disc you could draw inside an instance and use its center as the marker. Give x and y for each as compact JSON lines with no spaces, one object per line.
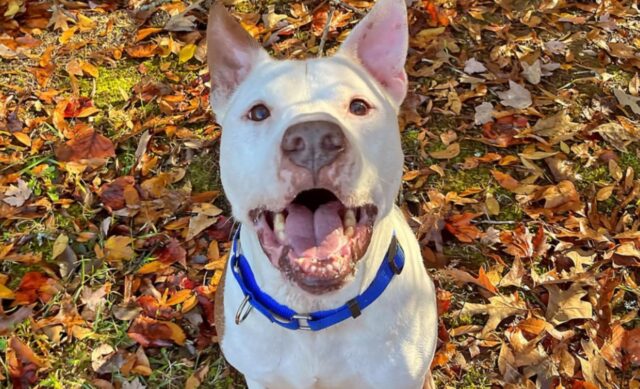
{"x":177,"y":334}
{"x":61,"y":243}
{"x":536,"y":155}
{"x":65,"y":36}
{"x":152,"y":267}
{"x":117,"y":248}
{"x":6,"y":293}
{"x":493,"y":206}
{"x":189,"y":304}
{"x":85,"y":23}
{"x":179,"y":297}
{"x":187,"y":52}
{"x":23,"y":138}
{"x":13,"y":8}
{"x":89,"y":69}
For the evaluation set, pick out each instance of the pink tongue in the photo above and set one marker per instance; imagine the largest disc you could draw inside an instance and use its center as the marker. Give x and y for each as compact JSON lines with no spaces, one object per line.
{"x":307,"y":230}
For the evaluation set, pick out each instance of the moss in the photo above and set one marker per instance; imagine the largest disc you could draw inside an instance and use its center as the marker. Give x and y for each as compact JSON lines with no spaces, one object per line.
{"x":468,"y":255}
{"x":440,"y":123}
{"x":510,"y":209}
{"x":113,"y":85}
{"x":411,"y":143}
{"x":203,"y":173}
{"x":455,"y":321}
{"x":631,"y":159}
{"x":461,"y":180}
{"x":475,"y":378}
{"x":245,"y":6}
{"x":619,"y":76}
{"x":591,"y":176}
{"x":608,"y":205}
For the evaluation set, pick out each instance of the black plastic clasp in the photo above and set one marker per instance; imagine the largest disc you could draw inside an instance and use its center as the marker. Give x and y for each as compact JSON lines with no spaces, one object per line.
{"x":354,"y":307}
{"x":391,"y":256}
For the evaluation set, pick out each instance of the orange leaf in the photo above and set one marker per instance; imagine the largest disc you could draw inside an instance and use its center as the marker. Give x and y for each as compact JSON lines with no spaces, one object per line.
{"x":142,"y":51}
{"x":145,"y":32}
{"x":179,"y":297}
{"x":23,"y":138}
{"x":505,"y":180}
{"x":461,"y":227}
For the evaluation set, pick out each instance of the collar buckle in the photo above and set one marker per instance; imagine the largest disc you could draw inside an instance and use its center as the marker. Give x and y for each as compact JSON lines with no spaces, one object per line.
{"x":303,"y":321}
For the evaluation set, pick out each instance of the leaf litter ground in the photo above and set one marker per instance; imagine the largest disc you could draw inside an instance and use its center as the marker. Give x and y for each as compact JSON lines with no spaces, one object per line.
{"x":521,"y":182}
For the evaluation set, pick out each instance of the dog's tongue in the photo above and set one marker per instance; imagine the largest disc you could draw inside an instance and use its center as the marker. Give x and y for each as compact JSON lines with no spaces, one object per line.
{"x":313,"y":230}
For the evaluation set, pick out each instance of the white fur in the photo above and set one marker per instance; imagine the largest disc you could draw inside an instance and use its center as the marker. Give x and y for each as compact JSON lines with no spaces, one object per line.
{"x":391,"y":344}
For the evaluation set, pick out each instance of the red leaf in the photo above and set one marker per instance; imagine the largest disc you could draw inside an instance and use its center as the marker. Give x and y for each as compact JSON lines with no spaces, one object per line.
{"x":172,"y":253}
{"x":22,"y":363}
{"x":114,"y":194}
{"x":34,"y":286}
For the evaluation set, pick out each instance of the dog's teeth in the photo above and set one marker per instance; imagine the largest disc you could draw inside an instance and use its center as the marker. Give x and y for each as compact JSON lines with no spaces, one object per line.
{"x":278,"y":226}
{"x":349,"y":222}
{"x":314,"y":268}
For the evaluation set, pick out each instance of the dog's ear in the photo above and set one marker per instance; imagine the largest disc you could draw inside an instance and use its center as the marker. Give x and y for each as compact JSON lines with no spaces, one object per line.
{"x":231,"y":52}
{"x":379,"y":42}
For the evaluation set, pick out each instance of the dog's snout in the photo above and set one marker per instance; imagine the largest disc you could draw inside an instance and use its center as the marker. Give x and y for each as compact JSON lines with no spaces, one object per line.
{"x":313,"y":145}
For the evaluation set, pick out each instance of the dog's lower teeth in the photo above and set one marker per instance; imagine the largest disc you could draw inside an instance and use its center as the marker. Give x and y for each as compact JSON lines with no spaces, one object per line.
{"x":278,"y":226}
{"x":349,"y":222}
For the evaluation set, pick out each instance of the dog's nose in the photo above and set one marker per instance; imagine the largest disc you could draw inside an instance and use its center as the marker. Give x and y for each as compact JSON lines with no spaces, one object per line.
{"x":313,"y":145}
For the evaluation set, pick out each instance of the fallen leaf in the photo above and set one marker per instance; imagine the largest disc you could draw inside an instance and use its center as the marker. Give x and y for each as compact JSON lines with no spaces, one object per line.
{"x":16,"y":196}
{"x":452,"y":151}
{"x":117,"y":248}
{"x":87,"y":145}
{"x":499,"y":308}
{"x":474,"y":66}
{"x":516,"y":96}
{"x":627,"y":100}
{"x":566,"y":305}
{"x":60,"y":244}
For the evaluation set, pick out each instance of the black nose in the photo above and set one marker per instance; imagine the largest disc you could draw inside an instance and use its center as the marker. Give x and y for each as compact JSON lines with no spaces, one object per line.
{"x":313,"y":145}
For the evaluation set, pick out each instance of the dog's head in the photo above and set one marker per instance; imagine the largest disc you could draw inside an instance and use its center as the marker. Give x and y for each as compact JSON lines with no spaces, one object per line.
{"x":310,"y":153}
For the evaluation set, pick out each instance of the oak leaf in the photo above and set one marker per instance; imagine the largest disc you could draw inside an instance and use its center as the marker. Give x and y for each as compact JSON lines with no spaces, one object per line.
{"x":499,"y":308}
{"x":566,"y":305}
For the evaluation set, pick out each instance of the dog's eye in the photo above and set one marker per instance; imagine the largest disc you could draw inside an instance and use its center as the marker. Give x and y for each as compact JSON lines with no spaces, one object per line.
{"x":359,"y":107}
{"x":259,"y":113}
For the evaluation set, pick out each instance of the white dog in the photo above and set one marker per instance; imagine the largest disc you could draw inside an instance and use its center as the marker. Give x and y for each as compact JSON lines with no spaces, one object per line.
{"x":326,"y":286}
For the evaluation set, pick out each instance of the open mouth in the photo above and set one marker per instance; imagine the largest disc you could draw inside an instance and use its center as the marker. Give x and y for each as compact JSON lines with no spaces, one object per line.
{"x":315,"y":240}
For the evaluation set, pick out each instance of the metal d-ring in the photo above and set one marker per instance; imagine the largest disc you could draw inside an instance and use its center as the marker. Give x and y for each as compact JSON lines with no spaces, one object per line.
{"x":243,"y":311}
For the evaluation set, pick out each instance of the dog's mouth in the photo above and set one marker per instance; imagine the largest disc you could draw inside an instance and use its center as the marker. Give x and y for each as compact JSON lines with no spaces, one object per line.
{"x":316,"y":240}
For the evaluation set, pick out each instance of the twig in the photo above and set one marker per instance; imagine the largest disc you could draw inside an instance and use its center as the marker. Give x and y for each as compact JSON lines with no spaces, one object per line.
{"x":495,"y":222}
{"x":325,"y":32}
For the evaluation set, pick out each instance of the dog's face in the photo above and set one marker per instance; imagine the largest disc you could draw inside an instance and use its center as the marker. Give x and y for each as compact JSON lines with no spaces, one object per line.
{"x":310,"y":153}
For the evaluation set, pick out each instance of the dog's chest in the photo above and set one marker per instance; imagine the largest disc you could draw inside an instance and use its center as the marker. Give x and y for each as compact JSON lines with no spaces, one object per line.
{"x":376,"y":350}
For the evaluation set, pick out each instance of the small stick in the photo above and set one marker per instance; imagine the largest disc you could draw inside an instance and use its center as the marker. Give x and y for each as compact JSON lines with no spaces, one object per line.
{"x":325,"y":32}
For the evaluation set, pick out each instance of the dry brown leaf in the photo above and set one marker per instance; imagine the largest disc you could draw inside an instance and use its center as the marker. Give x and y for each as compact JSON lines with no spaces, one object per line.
{"x":499,"y":308}
{"x":566,"y":305}
{"x":88,"y":145}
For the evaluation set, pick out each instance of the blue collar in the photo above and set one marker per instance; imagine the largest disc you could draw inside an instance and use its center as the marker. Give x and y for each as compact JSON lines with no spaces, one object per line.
{"x":314,"y":321}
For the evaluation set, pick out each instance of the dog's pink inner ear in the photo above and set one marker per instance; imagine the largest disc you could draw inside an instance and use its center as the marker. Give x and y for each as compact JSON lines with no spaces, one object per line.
{"x":231,"y":52}
{"x":380,"y":44}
